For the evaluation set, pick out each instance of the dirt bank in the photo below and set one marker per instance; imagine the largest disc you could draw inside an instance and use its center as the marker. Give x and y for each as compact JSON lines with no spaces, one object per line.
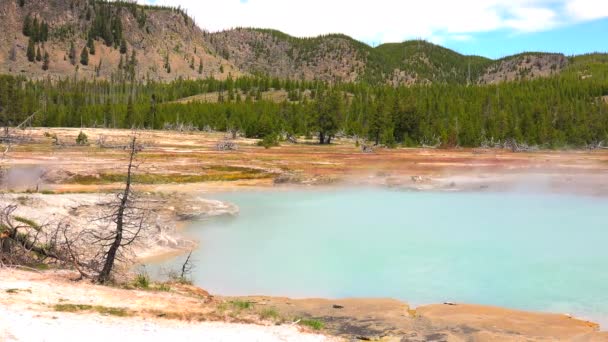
{"x":51,"y":306}
{"x":166,"y":214}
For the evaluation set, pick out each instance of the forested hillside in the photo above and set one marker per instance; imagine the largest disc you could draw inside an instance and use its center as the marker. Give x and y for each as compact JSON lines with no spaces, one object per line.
{"x":339,"y":58}
{"x":569,"y":109}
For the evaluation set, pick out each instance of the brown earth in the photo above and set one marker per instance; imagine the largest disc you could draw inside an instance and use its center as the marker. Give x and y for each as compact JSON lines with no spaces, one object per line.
{"x":367,"y":319}
{"x":190,"y":162}
{"x":165,"y":33}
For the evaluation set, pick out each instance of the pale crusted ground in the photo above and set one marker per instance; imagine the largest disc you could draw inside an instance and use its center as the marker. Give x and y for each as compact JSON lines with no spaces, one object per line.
{"x":28,"y":306}
{"x":25,"y":325}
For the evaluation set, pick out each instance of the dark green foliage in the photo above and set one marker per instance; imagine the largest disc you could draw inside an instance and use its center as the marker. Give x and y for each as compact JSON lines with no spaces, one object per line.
{"x":123,"y":46}
{"x":130,"y":114}
{"x":269,"y":141}
{"x":46,"y":61}
{"x":91,"y":45}
{"x":38,"y":55}
{"x":27,"y":26}
{"x":563,"y":110}
{"x":82,"y":139}
{"x":106,"y":23}
{"x":21,"y":3}
{"x":84,"y":56}
{"x":200,"y":67}
{"x":72,"y":53}
{"x":167,"y":64}
{"x":35,"y":30}
{"x":329,"y":112}
{"x":31,"y":50}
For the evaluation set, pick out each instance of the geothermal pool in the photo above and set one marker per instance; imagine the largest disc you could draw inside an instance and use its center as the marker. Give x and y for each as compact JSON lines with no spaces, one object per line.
{"x":517,"y":250}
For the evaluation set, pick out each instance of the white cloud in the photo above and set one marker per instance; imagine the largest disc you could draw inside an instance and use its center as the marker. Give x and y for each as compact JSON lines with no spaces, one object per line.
{"x":391,"y":20}
{"x":587,"y":9}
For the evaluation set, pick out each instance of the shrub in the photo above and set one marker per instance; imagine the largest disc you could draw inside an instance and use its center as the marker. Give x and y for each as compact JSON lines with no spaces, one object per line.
{"x":82,"y":139}
{"x":270,"y":314}
{"x":314,"y":324}
{"x":163,"y":287}
{"x":142,"y":281}
{"x":269,"y":141}
{"x":241,"y":304}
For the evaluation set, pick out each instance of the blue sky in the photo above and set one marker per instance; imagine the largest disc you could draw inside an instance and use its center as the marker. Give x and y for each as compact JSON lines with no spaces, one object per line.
{"x":571,"y":40}
{"x":492,"y":28}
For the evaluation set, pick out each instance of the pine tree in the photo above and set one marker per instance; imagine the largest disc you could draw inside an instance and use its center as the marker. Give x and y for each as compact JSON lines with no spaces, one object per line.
{"x":132,"y":65}
{"x":72,"y":53}
{"x":98,"y":68}
{"x":38,"y":55}
{"x":167,"y":64}
{"x":130,"y":113}
{"x":31,"y":51}
{"x":46,"y":61}
{"x":44,"y":32}
{"x":200,"y":67}
{"x":27,"y":26}
{"x":151,"y":117}
{"x":35,"y":30}
{"x":84,"y":56}
{"x":123,"y":46}
{"x":21,"y":3}
{"x":91,"y":45}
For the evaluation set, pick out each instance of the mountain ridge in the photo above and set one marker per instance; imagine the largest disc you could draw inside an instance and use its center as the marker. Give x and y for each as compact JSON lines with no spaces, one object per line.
{"x":169,"y":45}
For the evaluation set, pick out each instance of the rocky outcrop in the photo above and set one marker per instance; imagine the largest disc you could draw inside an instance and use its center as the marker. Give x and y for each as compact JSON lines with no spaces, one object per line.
{"x":524,"y":67}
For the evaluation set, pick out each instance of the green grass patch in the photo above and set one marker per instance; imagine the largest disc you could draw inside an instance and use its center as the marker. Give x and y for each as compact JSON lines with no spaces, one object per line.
{"x":241,"y":304}
{"x":72,"y":307}
{"x":270,"y":314}
{"x":104,"y":310}
{"x":217,"y":176}
{"x":142,"y":281}
{"x":314,"y":324}
{"x":162,"y":287}
{"x":27,"y":222}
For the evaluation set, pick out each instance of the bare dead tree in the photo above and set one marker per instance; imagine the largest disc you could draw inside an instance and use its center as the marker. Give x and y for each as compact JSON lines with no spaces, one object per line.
{"x":24,"y":242}
{"x":187,"y":267}
{"x":126,"y":231}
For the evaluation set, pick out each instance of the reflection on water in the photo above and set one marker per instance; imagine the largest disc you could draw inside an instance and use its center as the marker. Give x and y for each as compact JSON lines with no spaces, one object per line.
{"x":533,"y":252}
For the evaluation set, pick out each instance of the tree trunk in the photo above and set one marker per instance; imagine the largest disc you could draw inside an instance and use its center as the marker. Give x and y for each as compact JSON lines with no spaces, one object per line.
{"x":104,"y":276}
{"x":329,"y":139}
{"x":321,"y":138}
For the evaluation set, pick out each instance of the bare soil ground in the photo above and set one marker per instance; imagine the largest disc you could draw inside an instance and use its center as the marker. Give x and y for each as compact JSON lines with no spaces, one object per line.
{"x":39,"y":303}
{"x":189,"y":162}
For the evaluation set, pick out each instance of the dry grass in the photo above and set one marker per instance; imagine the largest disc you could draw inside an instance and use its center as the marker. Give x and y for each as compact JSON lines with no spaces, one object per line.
{"x":104,"y":310}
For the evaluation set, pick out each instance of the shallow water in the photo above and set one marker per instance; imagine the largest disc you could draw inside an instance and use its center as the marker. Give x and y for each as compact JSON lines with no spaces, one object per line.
{"x":532,"y":252}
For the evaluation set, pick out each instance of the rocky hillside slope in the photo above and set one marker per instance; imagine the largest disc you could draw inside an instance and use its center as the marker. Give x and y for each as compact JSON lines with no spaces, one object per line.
{"x":92,"y":38}
{"x":166,"y":42}
{"x":341,"y":58}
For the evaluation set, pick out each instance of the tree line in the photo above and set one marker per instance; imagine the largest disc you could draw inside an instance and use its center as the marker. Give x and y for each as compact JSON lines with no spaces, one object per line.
{"x":553,"y":112}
